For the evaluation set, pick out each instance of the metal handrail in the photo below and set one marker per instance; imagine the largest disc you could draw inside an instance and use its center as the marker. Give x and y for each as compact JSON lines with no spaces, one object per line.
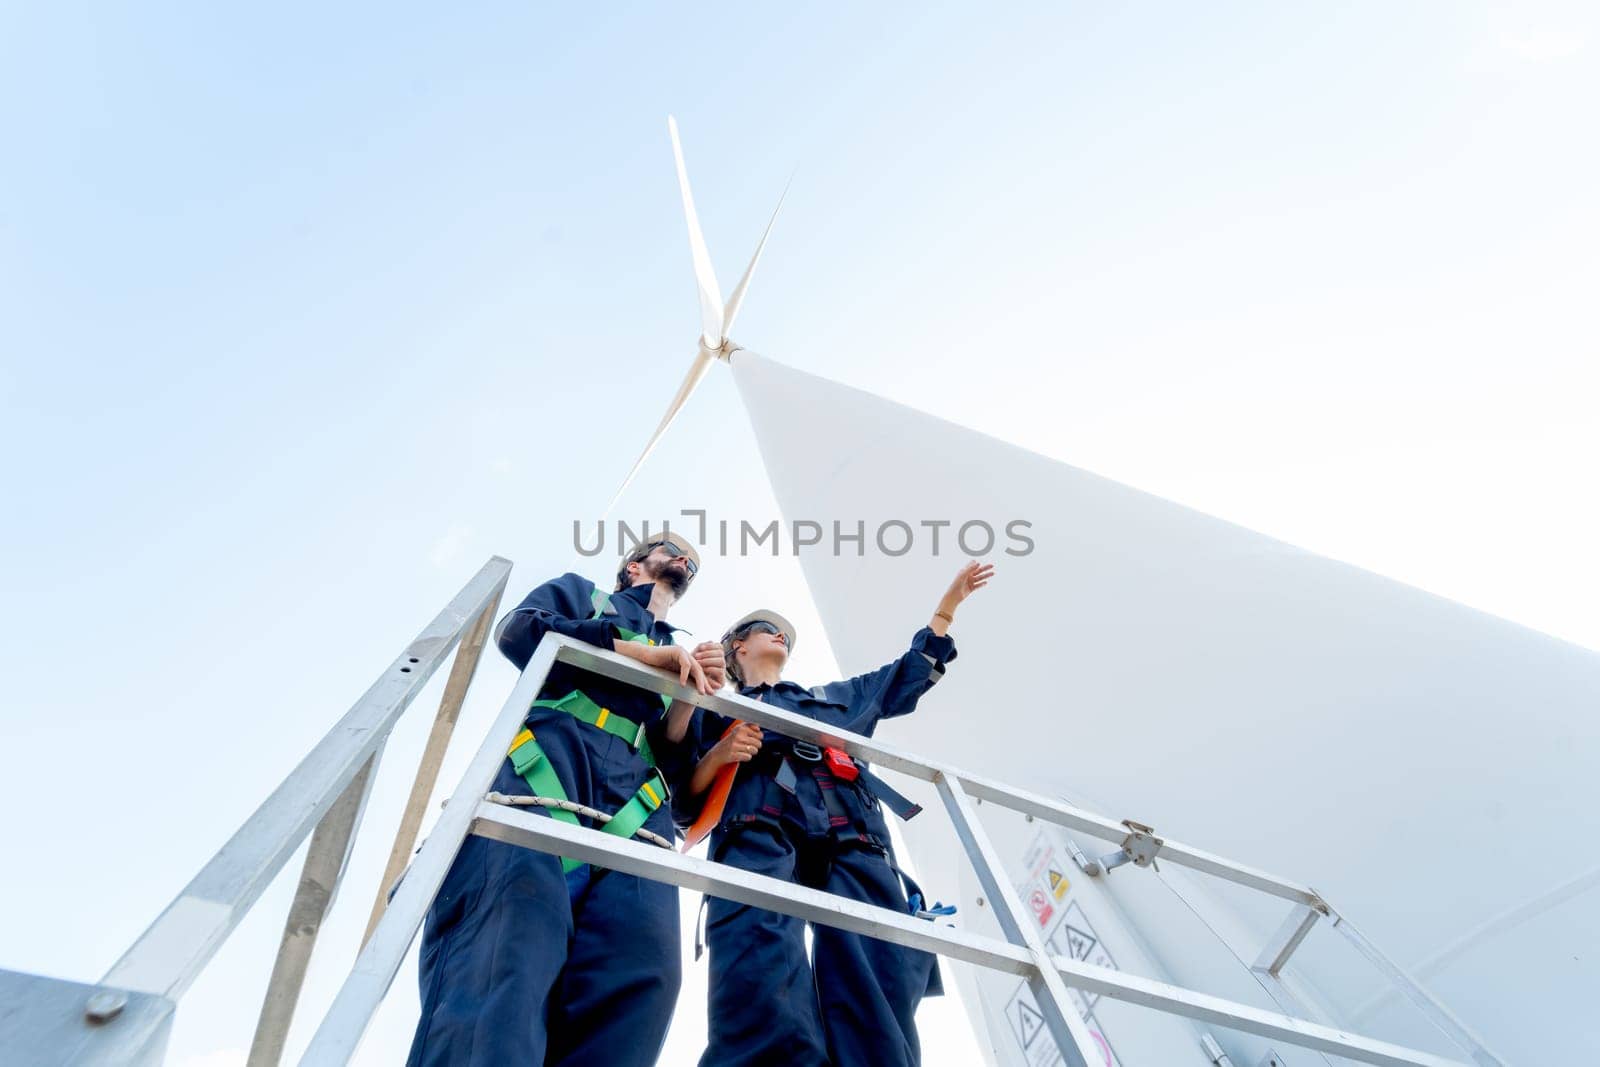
{"x":1022,"y":952}
{"x":324,"y":798}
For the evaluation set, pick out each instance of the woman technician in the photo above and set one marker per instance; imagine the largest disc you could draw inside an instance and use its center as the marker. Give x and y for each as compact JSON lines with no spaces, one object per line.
{"x":811,"y":815}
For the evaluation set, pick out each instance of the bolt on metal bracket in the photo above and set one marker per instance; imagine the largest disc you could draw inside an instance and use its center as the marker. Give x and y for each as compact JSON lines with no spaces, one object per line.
{"x":104,"y":1006}
{"x":1139,"y":848}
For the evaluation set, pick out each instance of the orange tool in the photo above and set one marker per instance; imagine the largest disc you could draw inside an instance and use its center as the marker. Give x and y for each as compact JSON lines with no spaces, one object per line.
{"x":716,"y":800}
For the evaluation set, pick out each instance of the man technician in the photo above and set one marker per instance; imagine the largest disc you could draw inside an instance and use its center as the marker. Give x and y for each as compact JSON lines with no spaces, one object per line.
{"x":529,"y":958}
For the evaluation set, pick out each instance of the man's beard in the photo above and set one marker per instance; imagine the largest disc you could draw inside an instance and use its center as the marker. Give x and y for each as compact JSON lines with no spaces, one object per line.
{"x":676,"y":578}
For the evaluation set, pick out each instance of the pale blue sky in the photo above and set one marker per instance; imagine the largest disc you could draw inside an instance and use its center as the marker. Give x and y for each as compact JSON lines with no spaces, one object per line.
{"x":293,"y":304}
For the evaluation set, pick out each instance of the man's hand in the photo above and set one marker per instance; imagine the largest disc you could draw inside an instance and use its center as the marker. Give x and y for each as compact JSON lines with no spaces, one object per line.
{"x":669,"y":658}
{"x":709,"y":653}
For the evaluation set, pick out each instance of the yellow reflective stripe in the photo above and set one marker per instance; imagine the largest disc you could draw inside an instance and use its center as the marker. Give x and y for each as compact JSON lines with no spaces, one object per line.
{"x":521,"y":739}
{"x":651,"y":793}
{"x":600,"y":720}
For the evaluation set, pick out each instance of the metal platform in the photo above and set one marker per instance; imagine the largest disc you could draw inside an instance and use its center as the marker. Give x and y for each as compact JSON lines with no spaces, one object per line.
{"x":49,"y":1021}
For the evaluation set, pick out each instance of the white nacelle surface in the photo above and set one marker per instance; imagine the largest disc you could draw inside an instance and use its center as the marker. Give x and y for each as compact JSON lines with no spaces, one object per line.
{"x":1428,"y":768}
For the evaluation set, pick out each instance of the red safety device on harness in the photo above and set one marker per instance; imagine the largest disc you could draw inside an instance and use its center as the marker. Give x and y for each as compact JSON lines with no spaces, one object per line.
{"x":839,"y":762}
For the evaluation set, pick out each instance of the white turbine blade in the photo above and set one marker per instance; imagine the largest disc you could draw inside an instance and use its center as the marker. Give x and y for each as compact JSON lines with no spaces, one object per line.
{"x":732,"y":311}
{"x":705,"y":278}
{"x":697,"y":370}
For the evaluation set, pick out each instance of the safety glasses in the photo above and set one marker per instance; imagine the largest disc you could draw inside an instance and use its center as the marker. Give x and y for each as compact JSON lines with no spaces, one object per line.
{"x":676,"y":553}
{"x":764,"y":627}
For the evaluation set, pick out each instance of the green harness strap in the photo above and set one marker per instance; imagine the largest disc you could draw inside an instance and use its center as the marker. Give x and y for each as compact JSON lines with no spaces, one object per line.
{"x":601,"y":601}
{"x":580,"y":707}
{"x":533,"y":766}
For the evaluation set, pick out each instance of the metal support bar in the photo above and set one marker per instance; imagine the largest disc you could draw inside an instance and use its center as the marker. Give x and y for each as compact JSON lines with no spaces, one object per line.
{"x":319,"y":884}
{"x":342,"y":1028}
{"x":1065,"y":815}
{"x":517,"y":827}
{"x":126,"y":1016}
{"x":1299,"y":922}
{"x":620,"y":668}
{"x":1071,"y":817}
{"x":1437,"y":1013}
{"x":1049,"y":992}
{"x":170,"y":953}
{"x":462,"y":670}
{"x":1163,"y":996}
{"x":1494,"y":926}
{"x":1234,"y":936}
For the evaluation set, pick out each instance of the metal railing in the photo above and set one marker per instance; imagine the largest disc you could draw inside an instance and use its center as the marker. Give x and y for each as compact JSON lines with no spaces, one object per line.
{"x":1023,"y":951}
{"x":126,"y":1017}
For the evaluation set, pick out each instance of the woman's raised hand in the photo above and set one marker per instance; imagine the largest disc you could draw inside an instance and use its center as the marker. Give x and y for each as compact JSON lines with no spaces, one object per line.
{"x":969,"y":579}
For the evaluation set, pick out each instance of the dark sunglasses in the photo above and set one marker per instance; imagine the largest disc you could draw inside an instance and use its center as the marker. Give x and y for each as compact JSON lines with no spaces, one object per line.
{"x":676,"y":553}
{"x":764,"y":627}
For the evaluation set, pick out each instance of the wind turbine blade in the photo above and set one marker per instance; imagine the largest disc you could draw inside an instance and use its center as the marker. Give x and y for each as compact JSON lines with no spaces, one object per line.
{"x":732,"y":311}
{"x":697,"y":370}
{"x":705,"y":278}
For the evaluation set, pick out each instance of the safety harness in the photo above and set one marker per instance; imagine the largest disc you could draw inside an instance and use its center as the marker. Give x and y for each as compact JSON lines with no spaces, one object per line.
{"x":531,"y":764}
{"x":829,"y":767}
{"x":826,"y":765}
{"x":843,"y":832}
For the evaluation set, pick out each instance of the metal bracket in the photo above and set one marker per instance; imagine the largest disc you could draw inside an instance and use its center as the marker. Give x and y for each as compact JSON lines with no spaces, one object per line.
{"x":1214,"y":1051}
{"x":1139,"y":848}
{"x":1088,"y":866}
{"x":49,"y":1020}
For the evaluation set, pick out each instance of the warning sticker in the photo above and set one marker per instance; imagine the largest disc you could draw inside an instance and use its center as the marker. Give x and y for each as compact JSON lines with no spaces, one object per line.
{"x":1027,"y":1026}
{"x":1026,"y":1021}
{"x":1033,"y":1038}
{"x":1047,"y":891}
{"x":1076,"y":938}
{"x":1039,"y":904}
{"x":1100,"y":1039}
{"x":1037,"y":856}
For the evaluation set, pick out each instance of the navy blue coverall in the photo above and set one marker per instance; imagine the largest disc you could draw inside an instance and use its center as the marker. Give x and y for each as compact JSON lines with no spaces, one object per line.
{"x":856,"y":1006}
{"x":521,"y":964}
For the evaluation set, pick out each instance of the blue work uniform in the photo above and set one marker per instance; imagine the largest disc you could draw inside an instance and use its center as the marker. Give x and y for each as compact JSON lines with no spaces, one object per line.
{"x":522,"y":963}
{"x":790,"y":817}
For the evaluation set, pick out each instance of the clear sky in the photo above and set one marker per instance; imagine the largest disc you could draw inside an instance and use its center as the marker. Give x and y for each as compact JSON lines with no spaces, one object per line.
{"x":305,"y":311}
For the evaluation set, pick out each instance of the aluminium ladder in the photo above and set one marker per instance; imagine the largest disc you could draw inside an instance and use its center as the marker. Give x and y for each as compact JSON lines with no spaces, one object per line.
{"x":127,"y":1016}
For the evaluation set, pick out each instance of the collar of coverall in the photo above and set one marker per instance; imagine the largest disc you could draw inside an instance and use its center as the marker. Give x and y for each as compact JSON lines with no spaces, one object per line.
{"x":640,"y":594}
{"x":783,"y":683}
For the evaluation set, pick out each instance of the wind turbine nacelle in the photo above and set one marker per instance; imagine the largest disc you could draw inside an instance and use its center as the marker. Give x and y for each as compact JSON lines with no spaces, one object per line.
{"x":723,"y":351}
